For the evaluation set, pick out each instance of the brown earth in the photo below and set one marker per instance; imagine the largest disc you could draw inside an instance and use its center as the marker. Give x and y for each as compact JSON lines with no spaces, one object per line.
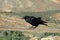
{"x":57,"y":16}
{"x":16,"y":23}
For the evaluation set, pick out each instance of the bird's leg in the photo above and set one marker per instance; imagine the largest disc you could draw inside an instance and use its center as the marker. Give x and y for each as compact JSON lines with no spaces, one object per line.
{"x":30,"y":27}
{"x":33,"y":27}
{"x":45,"y":24}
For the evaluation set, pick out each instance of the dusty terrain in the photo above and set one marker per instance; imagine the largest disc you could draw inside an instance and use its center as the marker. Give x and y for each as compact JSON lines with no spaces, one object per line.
{"x":56,"y":1}
{"x":29,"y":5}
{"x":16,"y":23}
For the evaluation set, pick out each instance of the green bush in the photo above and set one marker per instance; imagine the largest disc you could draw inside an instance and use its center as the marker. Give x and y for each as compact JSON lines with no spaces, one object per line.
{"x":53,"y":34}
{"x":46,"y":34}
{"x":13,"y":35}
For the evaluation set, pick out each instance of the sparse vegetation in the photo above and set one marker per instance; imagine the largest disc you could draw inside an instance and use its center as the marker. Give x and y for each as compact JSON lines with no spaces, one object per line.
{"x":49,"y":33}
{"x":46,"y":34}
{"x":12,"y":35}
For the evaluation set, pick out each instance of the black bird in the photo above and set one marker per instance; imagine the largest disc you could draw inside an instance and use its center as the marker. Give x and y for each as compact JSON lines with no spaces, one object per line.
{"x":34,"y":21}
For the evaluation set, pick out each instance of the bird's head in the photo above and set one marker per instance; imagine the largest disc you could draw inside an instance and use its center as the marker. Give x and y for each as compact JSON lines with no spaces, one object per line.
{"x":26,"y":17}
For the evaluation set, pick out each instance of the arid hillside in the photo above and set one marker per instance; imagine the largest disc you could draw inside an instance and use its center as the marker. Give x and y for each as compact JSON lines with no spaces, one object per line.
{"x":15,"y":23}
{"x":11,"y":22}
{"x":29,"y":5}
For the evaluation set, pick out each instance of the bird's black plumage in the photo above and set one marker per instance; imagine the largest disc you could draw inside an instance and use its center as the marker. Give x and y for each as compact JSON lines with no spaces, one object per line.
{"x":34,"y":21}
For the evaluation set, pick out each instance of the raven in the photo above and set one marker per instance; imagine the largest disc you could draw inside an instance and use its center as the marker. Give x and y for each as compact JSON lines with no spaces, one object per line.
{"x":34,"y":21}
